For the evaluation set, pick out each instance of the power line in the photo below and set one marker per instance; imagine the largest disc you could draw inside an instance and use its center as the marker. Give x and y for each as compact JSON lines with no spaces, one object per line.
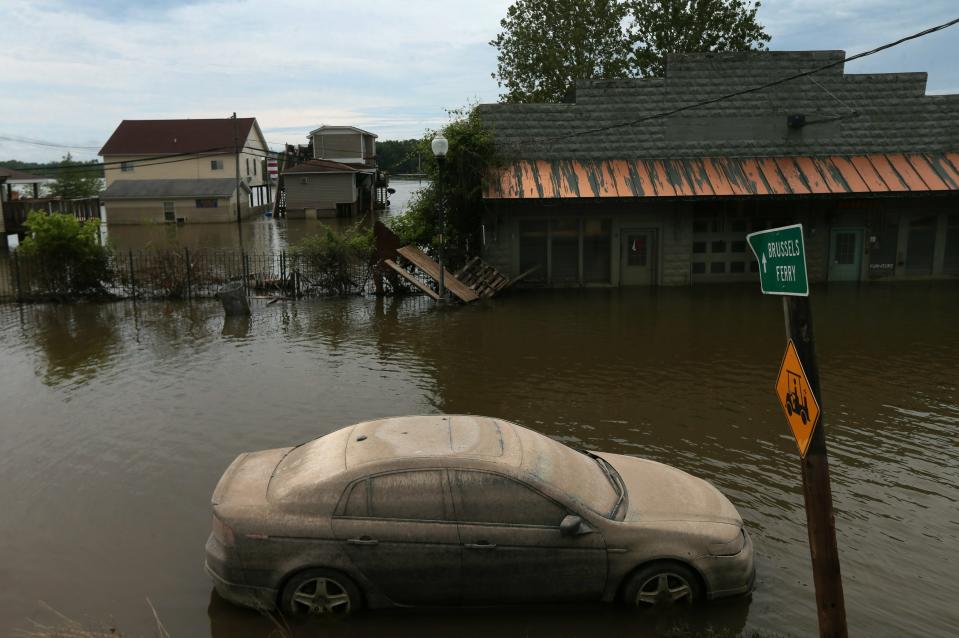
{"x":754,"y":89}
{"x":36,"y":142}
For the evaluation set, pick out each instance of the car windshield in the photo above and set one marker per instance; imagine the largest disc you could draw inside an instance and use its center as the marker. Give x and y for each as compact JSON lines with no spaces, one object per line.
{"x":578,"y":475}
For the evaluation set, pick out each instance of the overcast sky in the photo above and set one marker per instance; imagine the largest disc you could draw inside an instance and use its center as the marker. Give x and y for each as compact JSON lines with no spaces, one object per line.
{"x":71,"y":70}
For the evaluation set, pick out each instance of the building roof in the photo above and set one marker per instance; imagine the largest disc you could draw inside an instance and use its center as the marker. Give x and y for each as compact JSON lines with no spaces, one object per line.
{"x":724,"y":176}
{"x":327,"y":128}
{"x":846,"y":114}
{"x":161,"y":137}
{"x":14,"y":176}
{"x":170,"y":188}
{"x":320,"y":166}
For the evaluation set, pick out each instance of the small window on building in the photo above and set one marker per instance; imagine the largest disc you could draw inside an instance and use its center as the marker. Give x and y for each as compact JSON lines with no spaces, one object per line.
{"x":717,"y":268}
{"x":247,"y":165}
{"x":169,"y":212}
{"x":126,"y":167}
{"x":254,"y":167}
{"x":636,"y":244}
{"x":699,"y":246}
{"x":718,"y":247}
{"x":304,"y":180}
{"x":699,"y":267}
{"x":216,"y":165}
{"x":208,"y":202}
{"x":738,"y":246}
{"x":737,"y":266}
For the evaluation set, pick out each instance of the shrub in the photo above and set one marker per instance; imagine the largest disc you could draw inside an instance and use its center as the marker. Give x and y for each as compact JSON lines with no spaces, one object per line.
{"x":336,"y":263}
{"x":65,"y":256}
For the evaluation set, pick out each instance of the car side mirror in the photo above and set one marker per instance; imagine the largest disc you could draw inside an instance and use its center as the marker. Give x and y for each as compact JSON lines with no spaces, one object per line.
{"x":572,"y":525}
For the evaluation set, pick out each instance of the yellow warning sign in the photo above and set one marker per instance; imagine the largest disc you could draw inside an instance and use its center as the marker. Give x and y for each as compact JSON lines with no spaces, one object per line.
{"x":797,"y":399}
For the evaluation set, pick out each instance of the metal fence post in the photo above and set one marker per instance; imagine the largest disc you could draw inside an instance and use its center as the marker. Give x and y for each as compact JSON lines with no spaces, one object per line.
{"x":186,"y":256}
{"x":16,"y":274}
{"x":133,"y":281}
{"x":246,"y":272}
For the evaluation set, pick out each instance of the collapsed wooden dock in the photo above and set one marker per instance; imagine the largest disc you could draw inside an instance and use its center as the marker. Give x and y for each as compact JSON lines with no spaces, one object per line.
{"x":475,"y":280}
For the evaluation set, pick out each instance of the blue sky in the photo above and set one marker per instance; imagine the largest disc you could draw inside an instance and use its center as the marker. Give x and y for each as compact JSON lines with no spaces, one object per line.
{"x":70,"y":71}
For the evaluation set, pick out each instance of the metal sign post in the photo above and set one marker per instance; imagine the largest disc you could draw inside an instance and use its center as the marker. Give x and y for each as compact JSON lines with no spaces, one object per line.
{"x":782,"y":269}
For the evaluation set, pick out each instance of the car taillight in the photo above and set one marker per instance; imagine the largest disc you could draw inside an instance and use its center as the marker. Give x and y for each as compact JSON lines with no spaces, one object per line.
{"x":223,"y":532}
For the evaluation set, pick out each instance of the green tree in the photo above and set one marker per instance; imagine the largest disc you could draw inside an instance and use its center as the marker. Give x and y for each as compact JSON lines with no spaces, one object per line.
{"x":63,"y":256}
{"x":546,"y":45}
{"x":659,"y":27}
{"x":76,"y":179}
{"x":397,"y":156}
{"x":470,"y":154}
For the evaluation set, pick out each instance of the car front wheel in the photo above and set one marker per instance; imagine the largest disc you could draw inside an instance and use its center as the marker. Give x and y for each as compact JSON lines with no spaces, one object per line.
{"x":663,"y":584}
{"x":320,"y":592}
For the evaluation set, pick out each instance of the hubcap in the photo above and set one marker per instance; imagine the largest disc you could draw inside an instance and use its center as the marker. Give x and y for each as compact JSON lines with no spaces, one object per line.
{"x":664,"y":589}
{"x":322,"y":596}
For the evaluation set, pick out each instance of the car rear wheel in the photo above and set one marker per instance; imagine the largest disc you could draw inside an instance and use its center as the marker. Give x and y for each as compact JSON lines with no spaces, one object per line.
{"x":663,"y":584}
{"x":320,"y":592}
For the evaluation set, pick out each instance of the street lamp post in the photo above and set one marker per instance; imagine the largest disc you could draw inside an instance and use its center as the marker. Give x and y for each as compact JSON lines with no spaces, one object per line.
{"x":440,"y":146}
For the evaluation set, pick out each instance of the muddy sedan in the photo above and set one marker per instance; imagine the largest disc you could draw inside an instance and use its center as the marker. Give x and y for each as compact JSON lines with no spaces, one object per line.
{"x":453,"y":510}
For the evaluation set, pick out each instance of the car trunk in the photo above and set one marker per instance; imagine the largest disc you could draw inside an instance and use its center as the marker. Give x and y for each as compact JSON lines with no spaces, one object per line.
{"x":244,"y":484}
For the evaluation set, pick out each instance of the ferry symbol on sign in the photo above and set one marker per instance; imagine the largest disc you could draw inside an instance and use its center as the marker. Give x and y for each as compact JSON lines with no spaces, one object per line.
{"x":798,"y":401}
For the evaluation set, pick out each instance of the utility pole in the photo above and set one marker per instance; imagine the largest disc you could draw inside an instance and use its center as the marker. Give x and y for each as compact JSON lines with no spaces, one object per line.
{"x":236,"y":161}
{"x":817,"y":492}
{"x":781,"y":255}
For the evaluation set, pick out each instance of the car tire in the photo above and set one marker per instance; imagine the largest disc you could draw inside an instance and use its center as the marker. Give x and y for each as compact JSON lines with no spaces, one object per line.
{"x":320,"y":592}
{"x":662,"y":584}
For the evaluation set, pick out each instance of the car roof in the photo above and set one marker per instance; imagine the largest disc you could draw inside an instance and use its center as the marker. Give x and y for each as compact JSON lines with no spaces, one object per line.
{"x":410,"y":437}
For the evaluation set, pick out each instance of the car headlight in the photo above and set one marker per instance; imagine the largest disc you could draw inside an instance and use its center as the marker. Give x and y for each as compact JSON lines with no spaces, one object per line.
{"x":729,"y":548}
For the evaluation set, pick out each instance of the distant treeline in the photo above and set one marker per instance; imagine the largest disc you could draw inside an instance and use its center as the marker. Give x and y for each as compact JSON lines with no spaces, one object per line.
{"x":398,"y":156}
{"x":51,"y":169}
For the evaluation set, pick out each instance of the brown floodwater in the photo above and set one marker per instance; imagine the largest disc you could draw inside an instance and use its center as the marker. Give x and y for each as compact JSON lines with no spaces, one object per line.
{"x":118,"y":419}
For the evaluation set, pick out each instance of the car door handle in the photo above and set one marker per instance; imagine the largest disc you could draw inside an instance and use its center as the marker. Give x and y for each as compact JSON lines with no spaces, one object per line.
{"x":480,"y":545}
{"x":362,"y":540}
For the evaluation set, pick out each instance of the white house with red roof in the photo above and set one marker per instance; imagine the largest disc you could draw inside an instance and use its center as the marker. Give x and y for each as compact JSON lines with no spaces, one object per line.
{"x":185,"y":171}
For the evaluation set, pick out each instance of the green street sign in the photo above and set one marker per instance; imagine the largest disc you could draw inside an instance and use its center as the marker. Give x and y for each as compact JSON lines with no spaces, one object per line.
{"x":782,"y":260}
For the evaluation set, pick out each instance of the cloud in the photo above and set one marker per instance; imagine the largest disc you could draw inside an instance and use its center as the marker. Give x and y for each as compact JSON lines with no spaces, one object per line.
{"x":73,"y":70}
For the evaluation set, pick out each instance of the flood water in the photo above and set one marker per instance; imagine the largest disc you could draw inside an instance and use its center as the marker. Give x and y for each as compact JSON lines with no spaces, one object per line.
{"x":259,"y":235}
{"x":118,"y":419}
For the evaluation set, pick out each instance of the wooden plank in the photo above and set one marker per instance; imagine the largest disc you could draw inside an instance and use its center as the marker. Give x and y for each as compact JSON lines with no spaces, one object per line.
{"x":410,"y":278}
{"x":419,"y":259}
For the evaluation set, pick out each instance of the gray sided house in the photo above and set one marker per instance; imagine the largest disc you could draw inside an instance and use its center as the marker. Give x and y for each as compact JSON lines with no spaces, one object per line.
{"x":594,"y":194}
{"x":319,"y":188}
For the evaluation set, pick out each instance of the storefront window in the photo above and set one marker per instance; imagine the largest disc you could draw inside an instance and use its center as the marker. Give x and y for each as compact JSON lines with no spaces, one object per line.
{"x":564,"y":239}
{"x":533,"y":248}
{"x":597,"y":246}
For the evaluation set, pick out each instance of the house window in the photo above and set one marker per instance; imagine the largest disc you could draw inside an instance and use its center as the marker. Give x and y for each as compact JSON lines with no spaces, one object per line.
{"x":247,"y":165}
{"x":254,"y":167}
{"x":169,"y":212}
{"x":216,"y":165}
{"x":207,"y":202}
{"x":304,"y":180}
{"x":126,"y":167}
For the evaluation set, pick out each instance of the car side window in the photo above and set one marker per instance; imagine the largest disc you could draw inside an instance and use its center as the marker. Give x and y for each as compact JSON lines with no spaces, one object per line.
{"x":490,"y":498}
{"x":358,"y":500}
{"x":417,"y":495}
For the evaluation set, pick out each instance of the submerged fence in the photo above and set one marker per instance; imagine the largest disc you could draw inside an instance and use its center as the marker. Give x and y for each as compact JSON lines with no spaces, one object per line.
{"x":181,"y":274}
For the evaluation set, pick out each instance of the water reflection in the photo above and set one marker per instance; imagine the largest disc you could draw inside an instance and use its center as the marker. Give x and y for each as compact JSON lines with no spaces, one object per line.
{"x":76,"y":341}
{"x":726,"y":618}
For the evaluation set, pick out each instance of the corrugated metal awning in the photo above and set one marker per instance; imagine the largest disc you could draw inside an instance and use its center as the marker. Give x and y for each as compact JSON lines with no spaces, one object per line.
{"x":725,"y":176}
